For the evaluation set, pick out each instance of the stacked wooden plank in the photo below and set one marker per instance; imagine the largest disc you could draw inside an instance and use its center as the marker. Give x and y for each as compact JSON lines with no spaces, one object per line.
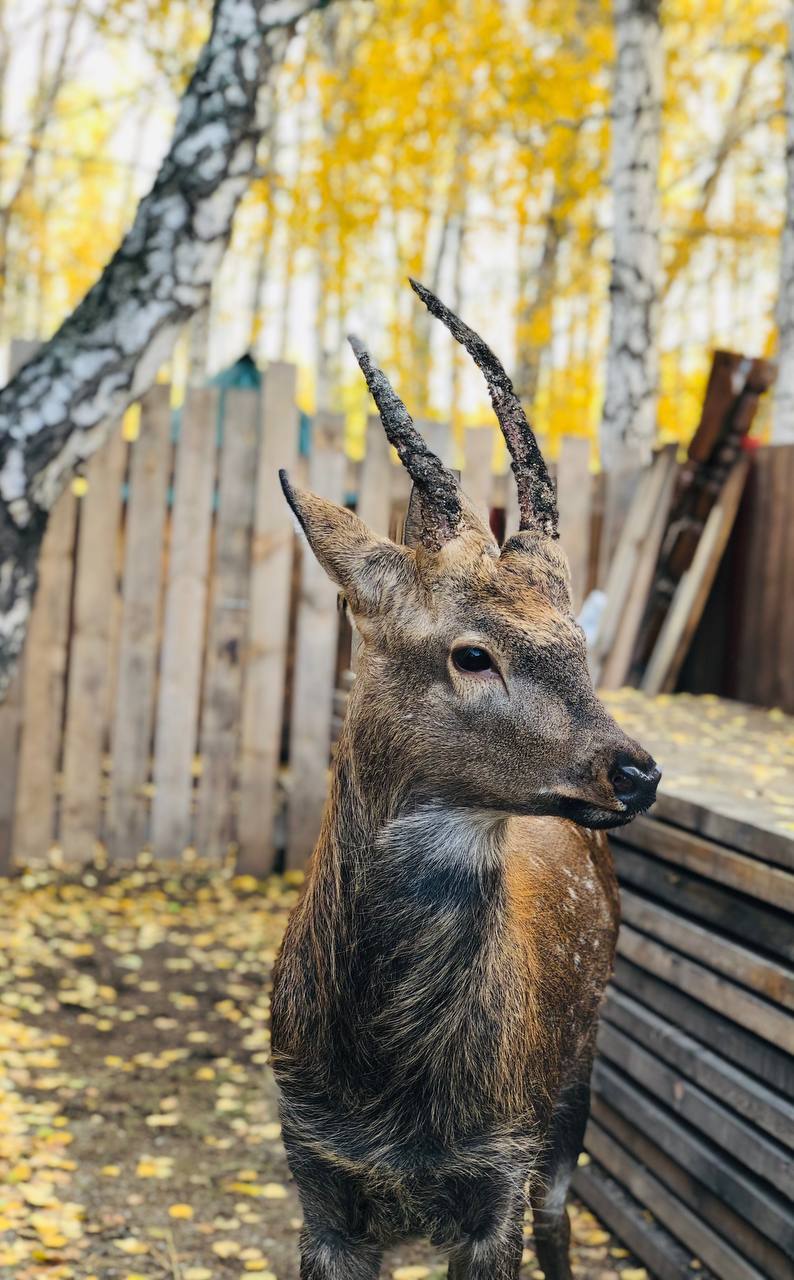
{"x":691,"y":1140}
{"x":674,"y":534}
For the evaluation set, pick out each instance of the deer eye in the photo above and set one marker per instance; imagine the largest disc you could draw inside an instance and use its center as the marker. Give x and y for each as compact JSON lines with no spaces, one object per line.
{"x":469,"y":657}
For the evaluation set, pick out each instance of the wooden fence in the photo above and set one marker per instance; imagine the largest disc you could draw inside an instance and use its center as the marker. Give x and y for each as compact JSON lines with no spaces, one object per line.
{"x":175,"y":633}
{"x":180,"y":655}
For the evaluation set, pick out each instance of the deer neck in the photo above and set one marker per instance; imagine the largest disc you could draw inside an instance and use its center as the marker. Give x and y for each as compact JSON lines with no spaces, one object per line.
{"x":380,"y":817}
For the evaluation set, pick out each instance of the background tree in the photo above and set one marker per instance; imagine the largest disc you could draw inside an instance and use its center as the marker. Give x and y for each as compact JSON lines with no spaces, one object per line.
{"x":61,"y":405}
{"x":628,"y":427}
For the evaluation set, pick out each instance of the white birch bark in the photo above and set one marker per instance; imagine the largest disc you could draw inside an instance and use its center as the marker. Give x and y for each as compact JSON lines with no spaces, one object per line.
{"x":628,"y":424}
{"x":783,"y":418}
{"x":62,"y":404}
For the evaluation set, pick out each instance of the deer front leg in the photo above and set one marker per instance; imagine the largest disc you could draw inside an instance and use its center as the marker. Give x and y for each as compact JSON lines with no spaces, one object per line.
{"x":330,"y":1255}
{"x":335,"y":1243}
{"x":490,"y":1217}
{"x":551,"y":1226}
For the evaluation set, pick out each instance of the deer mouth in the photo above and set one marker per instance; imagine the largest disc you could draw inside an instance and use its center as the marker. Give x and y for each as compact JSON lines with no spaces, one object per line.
{"x":597,"y":817}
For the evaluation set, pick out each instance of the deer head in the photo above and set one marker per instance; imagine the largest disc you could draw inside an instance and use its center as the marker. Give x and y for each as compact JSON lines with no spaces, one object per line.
{"x":473,"y":687}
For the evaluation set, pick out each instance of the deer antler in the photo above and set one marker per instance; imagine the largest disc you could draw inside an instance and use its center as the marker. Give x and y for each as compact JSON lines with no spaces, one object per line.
{"x":441,"y":499}
{"x":536,"y":497}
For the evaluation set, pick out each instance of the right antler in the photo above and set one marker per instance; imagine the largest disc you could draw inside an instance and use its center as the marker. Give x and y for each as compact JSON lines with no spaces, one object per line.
{"x":537,"y":500}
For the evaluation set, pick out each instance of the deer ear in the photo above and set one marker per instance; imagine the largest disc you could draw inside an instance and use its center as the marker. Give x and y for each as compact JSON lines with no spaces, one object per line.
{"x":370,"y":570}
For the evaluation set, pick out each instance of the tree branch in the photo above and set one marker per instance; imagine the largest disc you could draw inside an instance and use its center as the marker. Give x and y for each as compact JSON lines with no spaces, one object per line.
{"x":62,"y":404}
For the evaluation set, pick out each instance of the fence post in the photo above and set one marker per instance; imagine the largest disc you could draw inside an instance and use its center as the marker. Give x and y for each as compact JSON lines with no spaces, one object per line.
{"x":11,"y":709}
{"x":574,"y":486}
{"x":140,"y":615}
{"x":88,"y":697}
{"x":183,"y":629}
{"x":374,"y":496}
{"x":220,"y":716}
{"x":268,"y":623}
{"x":477,"y":478}
{"x":315,"y":659}
{"x":44,"y":681}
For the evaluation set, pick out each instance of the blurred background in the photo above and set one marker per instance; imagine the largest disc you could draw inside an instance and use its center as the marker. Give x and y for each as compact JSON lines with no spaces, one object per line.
{"x":464,"y":142}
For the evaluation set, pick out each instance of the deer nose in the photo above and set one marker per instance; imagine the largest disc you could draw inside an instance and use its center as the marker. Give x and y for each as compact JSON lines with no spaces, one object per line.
{"x":634,"y":783}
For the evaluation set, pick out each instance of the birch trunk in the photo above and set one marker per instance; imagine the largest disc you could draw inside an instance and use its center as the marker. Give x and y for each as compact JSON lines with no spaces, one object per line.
{"x":61,"y":405}
{"x":628,"y":425}
{"x":783,"y":424}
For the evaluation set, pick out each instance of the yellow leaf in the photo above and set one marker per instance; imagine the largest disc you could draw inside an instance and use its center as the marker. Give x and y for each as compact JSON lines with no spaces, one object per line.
{"x":130,"y":1244}
{"x":180,"y":1211}
{"x":39,"y":1193}
{"x":411,"y":1273}
{"x":226,"y":1248}
{"x":274,"y":1191}
{"x":110,"y":1170}
{"x":595,"y":1237}
{"x":197,"y":1273}
{"x":634,"y":1273}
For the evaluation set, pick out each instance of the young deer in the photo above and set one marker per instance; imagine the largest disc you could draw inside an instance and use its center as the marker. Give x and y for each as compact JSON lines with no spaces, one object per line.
{"x":436,"y":997}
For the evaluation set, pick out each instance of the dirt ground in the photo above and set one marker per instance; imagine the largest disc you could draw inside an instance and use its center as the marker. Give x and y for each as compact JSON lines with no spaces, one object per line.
{"x":138,"y":1128}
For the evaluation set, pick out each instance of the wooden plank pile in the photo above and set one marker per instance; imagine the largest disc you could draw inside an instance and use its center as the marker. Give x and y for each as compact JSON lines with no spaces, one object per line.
{"x":691,"y":1140}
{"x":674,"y":535}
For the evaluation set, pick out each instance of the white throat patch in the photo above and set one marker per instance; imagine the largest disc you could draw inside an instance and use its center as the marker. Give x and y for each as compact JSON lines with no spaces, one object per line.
{"x":435,"y":832}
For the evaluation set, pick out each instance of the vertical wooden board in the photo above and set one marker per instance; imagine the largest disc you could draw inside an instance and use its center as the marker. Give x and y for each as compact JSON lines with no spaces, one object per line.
{"x":44,"y":686}
{"x":438,"y":437}
{"x":374,"y":495}
{"x":10,"y":739}
{"x":751,"y":551}
{"x":477,"y":478}
{"x":220,"y":715}
{"x":512,"y":511}
{"x":315,"y":660}
{"x":625,"y":625}
{"x":619,"y":489}
{"x":183,"y":626}
{"x":11,"y":710}
{"x":690,"y":597}
{"x":574,"y":485}
{"x":265,"y":664}
{"x":786,"y":630}
{"x":133,"y":715}
{"x":619,"y":581}
{"x":87,"y":698}
{"x":775,"y":598}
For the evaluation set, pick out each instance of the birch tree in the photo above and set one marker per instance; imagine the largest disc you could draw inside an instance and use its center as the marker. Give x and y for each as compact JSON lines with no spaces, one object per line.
{"x":783,"y":425}
{"x":628,"y":425}
{"x":62,"y":404}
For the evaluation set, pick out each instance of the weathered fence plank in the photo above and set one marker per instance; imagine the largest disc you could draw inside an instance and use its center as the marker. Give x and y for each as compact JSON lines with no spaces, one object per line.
{"x":44,"y":679}
{"x":183,"y":629}
{"x":268,"y":622}
{"x":220,"y":715}
{"x":11,"y":706}
{"x":88,"y":697}
{"x":477,"y":478}
{"x":128,"y":811}
{"x":574,"y":491}
{"x":374,"y":497}
{"x":315,"y":661}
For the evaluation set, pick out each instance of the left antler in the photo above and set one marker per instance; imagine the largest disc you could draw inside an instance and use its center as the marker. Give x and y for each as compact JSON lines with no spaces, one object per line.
{"x":441,"y":499}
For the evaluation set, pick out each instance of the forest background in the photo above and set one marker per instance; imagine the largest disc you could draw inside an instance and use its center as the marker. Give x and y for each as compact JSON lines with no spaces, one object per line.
{"x":465,"y":142}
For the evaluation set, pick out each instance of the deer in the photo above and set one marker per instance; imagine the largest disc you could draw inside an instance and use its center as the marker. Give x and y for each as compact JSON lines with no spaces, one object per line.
{"x":436,"y":995}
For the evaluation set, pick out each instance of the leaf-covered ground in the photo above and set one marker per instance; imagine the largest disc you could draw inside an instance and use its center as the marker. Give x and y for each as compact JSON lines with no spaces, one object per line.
{"x":138,"y":1130}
